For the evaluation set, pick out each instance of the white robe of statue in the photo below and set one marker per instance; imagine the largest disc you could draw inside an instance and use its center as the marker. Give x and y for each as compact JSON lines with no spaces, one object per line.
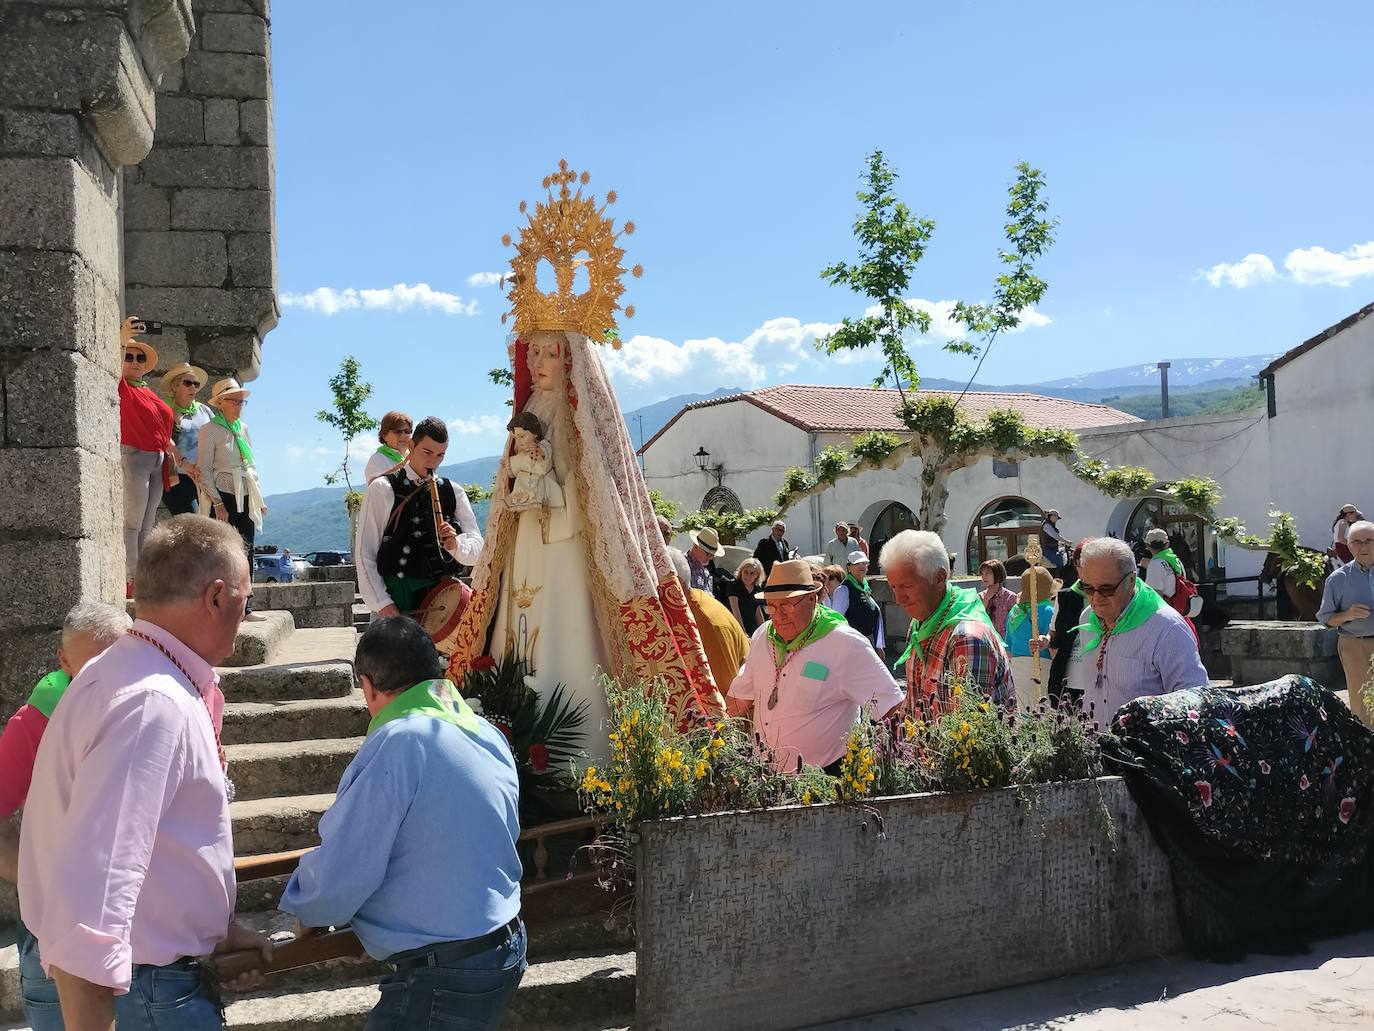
{"x":546,"y":611}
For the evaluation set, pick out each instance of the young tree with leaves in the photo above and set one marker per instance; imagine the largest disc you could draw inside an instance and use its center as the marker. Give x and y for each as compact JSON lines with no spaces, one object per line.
{"x":348,"y":417}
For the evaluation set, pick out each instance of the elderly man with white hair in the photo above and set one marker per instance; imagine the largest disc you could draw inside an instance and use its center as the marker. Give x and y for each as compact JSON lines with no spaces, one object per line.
{"x":952,"y":638}
{"x":1132,"y":643}
{"x":1348,"y":605}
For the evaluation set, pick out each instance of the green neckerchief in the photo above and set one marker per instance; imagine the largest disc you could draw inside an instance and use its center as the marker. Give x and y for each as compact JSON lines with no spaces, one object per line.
{"x":1168,"y":557}
{"x":437,"y":699}
{"x":137,"y":382}
{"x":862,"y":588}
{"x":1144,"y":604}
{"x":186,"y":412}
{"x":390,"y":452}
{"x":960,"y":604}
{"x":48,"y":692}
{"x":824,"y":621}
{"x":236,"y":428}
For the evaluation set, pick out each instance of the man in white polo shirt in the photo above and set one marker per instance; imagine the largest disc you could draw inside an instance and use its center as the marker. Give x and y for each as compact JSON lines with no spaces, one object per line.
{"x":808,"y":674}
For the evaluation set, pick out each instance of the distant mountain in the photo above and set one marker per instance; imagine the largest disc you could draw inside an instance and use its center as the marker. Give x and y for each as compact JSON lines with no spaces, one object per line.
{"x":316,"y":520}
{"x":1183,"y":372}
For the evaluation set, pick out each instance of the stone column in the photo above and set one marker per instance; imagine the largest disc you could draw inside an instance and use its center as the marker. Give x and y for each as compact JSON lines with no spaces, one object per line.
{"x":77,"y":81}
{"x":198,"y":217}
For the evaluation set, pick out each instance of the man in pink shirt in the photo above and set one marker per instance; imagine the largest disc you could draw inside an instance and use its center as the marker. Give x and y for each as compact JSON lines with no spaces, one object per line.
{"x":125,"y":860}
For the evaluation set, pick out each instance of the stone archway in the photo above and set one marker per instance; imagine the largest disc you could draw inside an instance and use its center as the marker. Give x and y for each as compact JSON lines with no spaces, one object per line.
{"x":722,"y":499}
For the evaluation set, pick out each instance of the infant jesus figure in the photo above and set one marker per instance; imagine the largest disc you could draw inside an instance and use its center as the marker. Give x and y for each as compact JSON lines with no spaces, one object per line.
{"x":536,"y":483}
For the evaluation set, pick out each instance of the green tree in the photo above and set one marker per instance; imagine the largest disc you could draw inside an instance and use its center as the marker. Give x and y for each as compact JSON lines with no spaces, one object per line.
{"x":348,"y":417}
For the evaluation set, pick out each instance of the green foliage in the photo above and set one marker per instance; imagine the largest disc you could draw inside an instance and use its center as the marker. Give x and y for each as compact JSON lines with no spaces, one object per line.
{"x":874,"y":448}
{"x":1054,"y":744}
{"x":503,"y":378}
{"x":1304,"y":565}
{"x":1121,"y":482}
{"x":353,"y":501}
{"x":795,"y":481}
{"x":1193,"y":402}
{"x":1199,"y":494}
{"x":891,"y":243}
{"x":506,"y":700}
{"x":830,"y":463}
{"x":347,"y":416}
{"x":731,"y":526}
{"x":665,"y":507}
{"x":476,"y":492}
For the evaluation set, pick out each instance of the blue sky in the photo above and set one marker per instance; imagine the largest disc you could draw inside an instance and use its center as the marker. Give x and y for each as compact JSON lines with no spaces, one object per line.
{"x":1209,"y":164}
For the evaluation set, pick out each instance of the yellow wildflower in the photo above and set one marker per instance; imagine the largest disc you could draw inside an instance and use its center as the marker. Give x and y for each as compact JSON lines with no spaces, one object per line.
{"x":701,"y":769}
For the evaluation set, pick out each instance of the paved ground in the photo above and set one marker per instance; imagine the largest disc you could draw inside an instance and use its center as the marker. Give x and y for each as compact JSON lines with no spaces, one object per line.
{"x":1330,"y":988}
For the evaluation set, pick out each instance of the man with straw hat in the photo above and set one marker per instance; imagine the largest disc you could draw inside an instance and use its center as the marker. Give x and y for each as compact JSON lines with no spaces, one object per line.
{"x":705,"y":547}
{"x":145,"y":438}
{"x":809,"y":674}
{"x":179,"y":387}
{"x":228,"y":472}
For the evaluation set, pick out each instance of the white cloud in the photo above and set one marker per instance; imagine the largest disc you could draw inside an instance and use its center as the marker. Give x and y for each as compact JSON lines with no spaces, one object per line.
{"x":295,"y":453}
{"x":482,"y":425}
{"x":779,"y":350}
{"x":402,"y":297}
{"x":1251,"y":269}
{"x":484,"y":279}
{"x":1309,"y":265}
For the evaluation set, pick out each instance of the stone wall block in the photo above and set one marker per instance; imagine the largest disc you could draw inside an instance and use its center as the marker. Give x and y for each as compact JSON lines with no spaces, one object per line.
{"x":53,"y":204}
{"x":164,"y":36}
{"x":180,"y":120}
{"x":175,"y":259}
{"x":208,"y":167}
{"x":75,"y":488}
{"x":26,"y":655}
{"x":47,"y":301}
{"x":58,"y":573}
{"x":232,"y":211}
{"x":237,"y":33}
{"x":120,"y":108}
{"x":146,"y":207}
{"x":237,"y":354}
{"x":251,"y":259}
{"x":222,"y":121}
{"x":61,"y":399}
{"x":255,"y":122}
{"x":205,"y":7}
{"x":39,"y":134}
{"x":204,"y":306}
{"x":228,"y":75}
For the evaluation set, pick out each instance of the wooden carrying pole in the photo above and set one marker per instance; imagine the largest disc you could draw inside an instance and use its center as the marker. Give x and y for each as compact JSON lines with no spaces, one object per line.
{"x":1035,"y":556}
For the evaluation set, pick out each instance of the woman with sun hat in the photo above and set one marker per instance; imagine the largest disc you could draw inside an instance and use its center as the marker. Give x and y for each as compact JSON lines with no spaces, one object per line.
{"x":145,"y":438}
{"x":179,"y":387}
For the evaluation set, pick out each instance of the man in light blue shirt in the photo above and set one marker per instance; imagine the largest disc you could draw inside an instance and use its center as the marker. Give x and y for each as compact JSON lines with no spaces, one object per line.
{"x":1348,"y":605}
{"x":418,"y":851}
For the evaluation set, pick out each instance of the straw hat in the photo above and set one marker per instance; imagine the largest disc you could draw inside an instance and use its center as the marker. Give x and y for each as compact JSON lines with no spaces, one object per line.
{"x":147,"y":349}
{"x":1046,"y":586}
{"x":225,"y":387}
{"x":790,"y":579}
{"x":707,"y":540}
{"x":178,"y":372}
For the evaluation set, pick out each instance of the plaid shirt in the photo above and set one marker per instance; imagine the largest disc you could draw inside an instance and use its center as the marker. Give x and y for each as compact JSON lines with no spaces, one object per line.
{"x":968,"y":650}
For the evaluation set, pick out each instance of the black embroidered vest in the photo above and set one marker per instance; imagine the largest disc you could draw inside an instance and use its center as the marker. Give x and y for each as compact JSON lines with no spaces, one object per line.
{"x":410,"y":543}
{"x":862,"y":611}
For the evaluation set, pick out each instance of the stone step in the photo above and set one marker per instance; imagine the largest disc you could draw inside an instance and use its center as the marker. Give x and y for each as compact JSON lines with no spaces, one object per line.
{"x":275,"y":768}
{"x":310,"y":604}
{"x":286,"y":681}
{"x":260,"y":640}
{"x":262,"y":825}
{"x":296,"y":719}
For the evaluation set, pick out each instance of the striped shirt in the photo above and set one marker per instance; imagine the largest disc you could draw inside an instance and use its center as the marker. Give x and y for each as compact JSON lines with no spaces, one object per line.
{"x":968,"y":650}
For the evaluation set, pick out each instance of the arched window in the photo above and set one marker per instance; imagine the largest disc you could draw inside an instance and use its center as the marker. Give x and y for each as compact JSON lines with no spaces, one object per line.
{"x":1194,"y":542}
{"x":1001,"y":531}
{"x":721,"y":499}
{"x":891,"y":521}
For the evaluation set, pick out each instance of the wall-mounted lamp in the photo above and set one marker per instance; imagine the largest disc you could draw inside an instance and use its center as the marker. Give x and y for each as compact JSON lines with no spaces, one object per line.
{"x":702,"y":456}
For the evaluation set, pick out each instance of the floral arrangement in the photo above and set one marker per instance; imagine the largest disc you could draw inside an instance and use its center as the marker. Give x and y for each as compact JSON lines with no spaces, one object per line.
{"x":542,"y":738}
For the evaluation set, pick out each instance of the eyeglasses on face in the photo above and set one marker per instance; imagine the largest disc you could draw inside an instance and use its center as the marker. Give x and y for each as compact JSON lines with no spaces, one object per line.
{"x":131,"y":356}
{"x":1107,"y":591}
{"x":190,"y":383}
{"x":240,"y":401}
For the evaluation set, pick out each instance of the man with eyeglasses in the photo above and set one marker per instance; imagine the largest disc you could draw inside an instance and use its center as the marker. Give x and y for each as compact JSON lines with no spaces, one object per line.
{"x":145,"y":438}
{"x":808,"y":675}
{"x":1132,"y":643}
{"x":1348,"y":605}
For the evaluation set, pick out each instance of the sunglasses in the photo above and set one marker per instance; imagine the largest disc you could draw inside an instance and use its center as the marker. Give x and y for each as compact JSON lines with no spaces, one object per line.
{"x":233,"y":401}
{"x":190,"y":383}
{"x":1089,"y":590}
{"x":138,"y":359}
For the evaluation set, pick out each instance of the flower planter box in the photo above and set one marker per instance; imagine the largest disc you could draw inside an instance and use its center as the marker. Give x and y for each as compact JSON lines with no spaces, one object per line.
{"x":787,"y":917}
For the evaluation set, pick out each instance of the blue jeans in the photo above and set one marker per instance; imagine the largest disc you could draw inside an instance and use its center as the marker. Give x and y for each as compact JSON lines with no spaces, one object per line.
{"x":468,"y":994}
{"x":170,"y":998}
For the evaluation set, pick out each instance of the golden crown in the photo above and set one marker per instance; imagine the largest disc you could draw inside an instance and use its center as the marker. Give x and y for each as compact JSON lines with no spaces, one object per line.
{"x":566,"y":233}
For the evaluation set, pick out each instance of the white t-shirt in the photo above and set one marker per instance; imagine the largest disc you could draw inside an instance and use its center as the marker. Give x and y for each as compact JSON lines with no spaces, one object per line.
{"x":820,"y":693}
{"x":1159,"y":576}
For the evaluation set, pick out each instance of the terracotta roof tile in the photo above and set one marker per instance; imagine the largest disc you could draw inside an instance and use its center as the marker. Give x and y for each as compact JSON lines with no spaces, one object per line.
{"x":858,"y":409}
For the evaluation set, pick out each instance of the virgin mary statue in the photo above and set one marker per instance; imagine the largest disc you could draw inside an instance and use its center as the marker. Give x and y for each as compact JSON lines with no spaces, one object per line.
{"x":584,"y":585}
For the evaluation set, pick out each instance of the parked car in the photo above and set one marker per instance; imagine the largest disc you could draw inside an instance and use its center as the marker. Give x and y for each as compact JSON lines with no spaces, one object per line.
{"x":328,"y":558}
{"x":271,"y":569}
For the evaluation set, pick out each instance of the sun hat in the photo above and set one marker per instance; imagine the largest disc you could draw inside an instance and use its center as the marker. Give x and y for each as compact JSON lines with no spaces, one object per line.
{"x":856,"y":556}
{"x":707,"y":540}
{"x":790,"y":578}
{"x":177,"y":372}
{"x":148,"y":349}
{"x":1157,"y":535}
{"x":1350,"y":508}
{"x":1046,"y":586}
{"x":225,"y":387}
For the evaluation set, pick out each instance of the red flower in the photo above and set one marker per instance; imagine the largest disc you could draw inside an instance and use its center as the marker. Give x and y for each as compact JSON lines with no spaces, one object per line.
{"x":1205,"y":790}
{"x":1192,"y":715}
{"x":484,"y":662}
{"x":539,"y":758}
{"x":1347,"y":807}
{"x":1303,"y":782}
{"x":1181,"y":736}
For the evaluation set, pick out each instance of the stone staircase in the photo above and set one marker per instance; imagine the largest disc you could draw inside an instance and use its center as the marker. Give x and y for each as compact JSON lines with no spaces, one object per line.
{"x":293,"y":721}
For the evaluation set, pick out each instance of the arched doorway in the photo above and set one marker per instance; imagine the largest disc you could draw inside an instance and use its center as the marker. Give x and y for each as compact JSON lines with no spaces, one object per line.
{"x":1001,"y":531}
{"x":891,"y":521}
{"x":1194,"y":541}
